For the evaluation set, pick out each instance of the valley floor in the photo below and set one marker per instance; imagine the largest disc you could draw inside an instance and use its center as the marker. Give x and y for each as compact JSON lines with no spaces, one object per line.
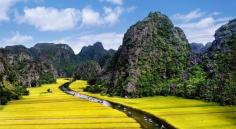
{"x":179,"y":112}
{"x":55,"y":110}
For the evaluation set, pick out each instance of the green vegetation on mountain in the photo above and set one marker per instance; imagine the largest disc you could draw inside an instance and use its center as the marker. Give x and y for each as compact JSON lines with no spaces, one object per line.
{"x":88,"y":70}
{"x":199,"y":47}
{"x":9,"y":91}
{"x":220,"y":65}
{"x":19,"y":70}
{"x":156,"y":59}
{"x":95,"y":52}
{"x":153,"y":56}
{"x":41,"y":64}
{"x":65,"y":61}
{"x":61,"y":56}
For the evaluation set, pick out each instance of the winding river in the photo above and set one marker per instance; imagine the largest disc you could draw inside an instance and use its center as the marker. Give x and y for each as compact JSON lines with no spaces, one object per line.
{"x":146,"y":120}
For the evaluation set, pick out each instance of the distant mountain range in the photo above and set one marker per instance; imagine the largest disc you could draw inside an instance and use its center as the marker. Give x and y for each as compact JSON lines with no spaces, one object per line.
{"x":199,"y":47}
{"x":61,"y":56}
{"x":28,"y":67}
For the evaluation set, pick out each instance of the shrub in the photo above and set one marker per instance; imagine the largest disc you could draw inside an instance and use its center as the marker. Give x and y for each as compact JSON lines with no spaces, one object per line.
{"x":3,"y":100}
{"x":94,"y":89}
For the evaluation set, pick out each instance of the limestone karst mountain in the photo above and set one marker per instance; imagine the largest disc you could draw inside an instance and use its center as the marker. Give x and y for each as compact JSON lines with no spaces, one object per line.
{"x":153,"y":52}
{"x":156,"y":59}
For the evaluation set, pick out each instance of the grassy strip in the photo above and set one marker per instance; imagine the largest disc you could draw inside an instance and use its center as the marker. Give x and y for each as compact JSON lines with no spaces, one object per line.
{"x":59,"y":110}
{"x":180,"y":112}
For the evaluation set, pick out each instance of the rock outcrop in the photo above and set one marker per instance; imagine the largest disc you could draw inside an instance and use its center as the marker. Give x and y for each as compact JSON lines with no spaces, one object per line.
{"x":156,"y":59}
{"x":199,"y":47}
{"x":61,"y":56}
{"x":87,"y":70}
{"x":24,"y":68}
{"x":95,"y":52}
{"x":21,"y":67}
{"x":153,"y":50}
{"x":220,"y":65}
{"x":19,"y":70}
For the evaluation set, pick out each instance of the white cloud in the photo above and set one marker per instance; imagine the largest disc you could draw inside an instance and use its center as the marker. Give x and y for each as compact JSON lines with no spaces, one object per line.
{"x":109,"y":40}
{"x":5,"y":6}
{"x":215,"y":13}
{"x":131,"y":9}
{"x":50,"y":19}
{"x":90,"y":17}
{"x":203,"y":28}
{"x":201,"y":31}
{"x":110,"y":16}
{"x":16,"y":39}
{"x":189,"y":16}
{"x":116,"y":2}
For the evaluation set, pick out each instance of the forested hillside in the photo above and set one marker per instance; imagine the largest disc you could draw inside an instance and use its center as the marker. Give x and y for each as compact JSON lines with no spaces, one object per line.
{"x":22,"y":67}
{"x":156,"y":59}
{"x":19,"y":70}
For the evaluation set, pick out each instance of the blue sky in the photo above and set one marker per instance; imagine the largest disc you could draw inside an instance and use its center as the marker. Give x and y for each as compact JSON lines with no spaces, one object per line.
{"x":83,"y":22}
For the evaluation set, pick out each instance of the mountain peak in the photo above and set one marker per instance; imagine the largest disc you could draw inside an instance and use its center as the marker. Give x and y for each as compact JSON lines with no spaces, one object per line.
{"x":53,"y":47}
{"x":98,"y":45}
{"x":93,"y":52}
{"x":158,"y":18}
{"x":156,"y":15}
{"x":223,"y":35}
{"x":16,"y":49}
{"x":146,"y":46}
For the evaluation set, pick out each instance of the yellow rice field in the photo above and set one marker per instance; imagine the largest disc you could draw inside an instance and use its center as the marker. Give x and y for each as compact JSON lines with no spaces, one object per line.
{"x":179,"y":112}
{"x":58,"y":110}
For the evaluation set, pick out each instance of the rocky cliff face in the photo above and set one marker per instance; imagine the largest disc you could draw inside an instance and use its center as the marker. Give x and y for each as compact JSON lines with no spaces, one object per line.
{"x":87,"y":70}
{"x":95,"y":52}
{"x":199,"y":47}
{"x":153,"y":50}
{"x":92,"y":60}
{"x":24,"y":68}
{"x":220,"y":65}
{"x":61,"y":56}
{"x":223,"y":35}
{"x":156,"y":59}
{"x":19,"y":70}
{"x":21,"y":67}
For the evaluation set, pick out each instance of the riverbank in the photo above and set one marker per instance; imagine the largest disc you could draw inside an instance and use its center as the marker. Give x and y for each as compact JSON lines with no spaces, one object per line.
{"x":42,"y":110}
{"x":179,"y":112}
{"x":146,"y":120}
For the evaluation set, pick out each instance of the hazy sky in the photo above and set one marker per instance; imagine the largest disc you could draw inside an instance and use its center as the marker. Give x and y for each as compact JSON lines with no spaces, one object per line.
{"x":83,"y":22}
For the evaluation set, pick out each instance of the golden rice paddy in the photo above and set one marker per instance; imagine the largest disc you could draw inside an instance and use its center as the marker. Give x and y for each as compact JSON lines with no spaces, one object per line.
{"x":179,"y":112}
{"x":43,"y":110}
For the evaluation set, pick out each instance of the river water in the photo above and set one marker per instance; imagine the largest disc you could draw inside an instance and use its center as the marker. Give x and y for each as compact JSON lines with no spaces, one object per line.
{"x":146,"y":120}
